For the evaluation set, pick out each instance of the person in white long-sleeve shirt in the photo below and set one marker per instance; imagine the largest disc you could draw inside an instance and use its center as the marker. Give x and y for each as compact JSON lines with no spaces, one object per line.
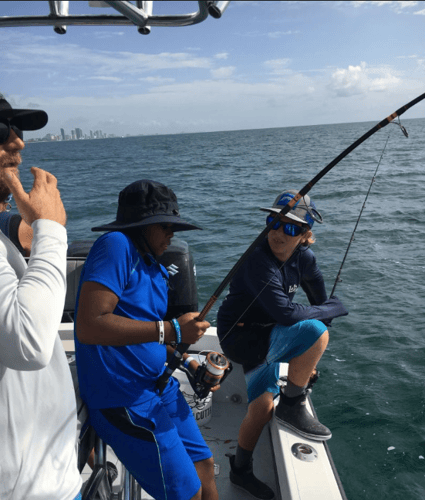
{"x":37,"y":402}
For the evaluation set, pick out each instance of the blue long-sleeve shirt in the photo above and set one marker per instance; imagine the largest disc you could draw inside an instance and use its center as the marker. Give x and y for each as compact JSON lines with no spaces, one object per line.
{"x":262,"y":293}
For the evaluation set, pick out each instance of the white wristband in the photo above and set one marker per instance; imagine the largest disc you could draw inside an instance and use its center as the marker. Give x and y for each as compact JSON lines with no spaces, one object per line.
{"x":161,"y":332}
{"x":187,"y":361}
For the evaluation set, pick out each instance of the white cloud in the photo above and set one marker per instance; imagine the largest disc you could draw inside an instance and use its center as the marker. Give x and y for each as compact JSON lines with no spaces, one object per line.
{"x":361,"y":79}
{"x":361,"y":4}
{"x":397,"y":7}
{"x":223,"y":72}
{"x":290,"y":100}
{"x":106,"y":78}
{"x":107,"y":34}
{"x":278,"y":34}
{"x":420,"y":13}
{"x":157,"y":80}
{"x":101,"y":62}
{"x":222,"y":55}
{"x":404,"y":5}
{"x":278,"y":66}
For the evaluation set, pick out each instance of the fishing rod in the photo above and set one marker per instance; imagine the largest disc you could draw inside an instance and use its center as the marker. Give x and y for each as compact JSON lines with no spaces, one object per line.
{"x":182,"y":348}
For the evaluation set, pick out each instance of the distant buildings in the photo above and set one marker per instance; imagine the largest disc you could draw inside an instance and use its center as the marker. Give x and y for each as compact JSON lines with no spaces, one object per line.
{"x":76,"y":134}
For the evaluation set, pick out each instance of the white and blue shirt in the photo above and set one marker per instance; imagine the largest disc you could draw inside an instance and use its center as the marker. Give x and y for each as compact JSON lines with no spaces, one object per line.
{"x":116,"y":376}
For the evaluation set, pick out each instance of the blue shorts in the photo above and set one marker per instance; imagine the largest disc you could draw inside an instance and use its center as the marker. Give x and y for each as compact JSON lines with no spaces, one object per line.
{"x":285,"y":343}
{"x":158,"y":441}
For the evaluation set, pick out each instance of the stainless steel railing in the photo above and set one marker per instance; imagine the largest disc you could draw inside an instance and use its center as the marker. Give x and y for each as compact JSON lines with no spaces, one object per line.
{"x":139,"y":14}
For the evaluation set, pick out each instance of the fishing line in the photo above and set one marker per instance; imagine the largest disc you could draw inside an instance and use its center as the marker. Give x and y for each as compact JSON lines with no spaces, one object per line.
{"x":338,"y":278}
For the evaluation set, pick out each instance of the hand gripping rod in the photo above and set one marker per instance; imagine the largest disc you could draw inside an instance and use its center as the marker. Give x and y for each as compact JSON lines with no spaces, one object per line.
{"x":182,"y":348}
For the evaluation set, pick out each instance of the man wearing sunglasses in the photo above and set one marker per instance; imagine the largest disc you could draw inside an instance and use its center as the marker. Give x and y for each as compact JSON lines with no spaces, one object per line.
{"x":37,"y":401}
{"x":260,"y":326}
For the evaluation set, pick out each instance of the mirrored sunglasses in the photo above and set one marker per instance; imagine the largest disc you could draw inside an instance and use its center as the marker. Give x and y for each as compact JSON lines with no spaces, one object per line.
{"x":5,"y":128}
{"x":288,"y":228}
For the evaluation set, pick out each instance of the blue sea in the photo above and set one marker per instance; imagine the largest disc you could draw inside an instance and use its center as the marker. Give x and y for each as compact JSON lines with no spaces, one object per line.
{"x":371,"y":392}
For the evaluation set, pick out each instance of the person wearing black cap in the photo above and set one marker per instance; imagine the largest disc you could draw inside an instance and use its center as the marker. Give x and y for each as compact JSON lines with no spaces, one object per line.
{"x":12,"y":225}
{"x":259,"y":327}
{"x":38,"y":418}
{"x":121,"y":348}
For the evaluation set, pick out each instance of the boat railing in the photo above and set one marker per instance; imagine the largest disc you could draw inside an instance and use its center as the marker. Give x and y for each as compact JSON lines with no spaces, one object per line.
{"x":98,"y":485}
{"x":139,"y":14}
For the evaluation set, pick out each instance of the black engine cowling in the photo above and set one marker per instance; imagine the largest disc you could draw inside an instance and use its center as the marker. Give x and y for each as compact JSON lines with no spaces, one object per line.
{"x":182,"y":295}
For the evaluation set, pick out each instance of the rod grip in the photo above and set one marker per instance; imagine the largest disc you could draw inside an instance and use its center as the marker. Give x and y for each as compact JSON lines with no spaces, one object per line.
{"x":174,"y":363}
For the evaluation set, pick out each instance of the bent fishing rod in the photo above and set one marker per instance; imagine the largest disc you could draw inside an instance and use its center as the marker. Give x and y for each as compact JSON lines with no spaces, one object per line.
{"x":182,"y":348}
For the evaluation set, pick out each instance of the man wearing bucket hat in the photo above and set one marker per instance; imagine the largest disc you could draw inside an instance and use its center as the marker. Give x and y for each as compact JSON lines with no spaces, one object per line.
{"x":38,"y":460}
{"x":121,"y":348}
{"x":259,"y":326}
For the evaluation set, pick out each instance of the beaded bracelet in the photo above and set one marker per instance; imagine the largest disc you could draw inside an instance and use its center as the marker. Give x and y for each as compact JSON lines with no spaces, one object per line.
{"x":176,"y":326}
{"x":161,"y":332}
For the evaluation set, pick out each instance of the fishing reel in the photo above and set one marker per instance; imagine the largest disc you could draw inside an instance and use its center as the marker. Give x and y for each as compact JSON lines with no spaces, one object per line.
{"x":211,"y":372}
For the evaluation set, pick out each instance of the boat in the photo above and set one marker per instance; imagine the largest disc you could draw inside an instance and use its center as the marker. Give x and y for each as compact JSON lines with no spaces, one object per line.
{"x":294,"y":467}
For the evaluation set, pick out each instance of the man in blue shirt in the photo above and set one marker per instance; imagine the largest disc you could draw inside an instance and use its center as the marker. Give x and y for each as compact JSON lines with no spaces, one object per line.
{"x":122,"y":344}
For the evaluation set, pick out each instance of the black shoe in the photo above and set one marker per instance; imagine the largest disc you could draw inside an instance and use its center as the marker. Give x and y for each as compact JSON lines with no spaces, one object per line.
{"x":244,"y":479}
{"x":293,"y":413}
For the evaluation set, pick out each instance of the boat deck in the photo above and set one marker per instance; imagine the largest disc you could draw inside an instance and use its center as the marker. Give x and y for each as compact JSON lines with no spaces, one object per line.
{"x":221,"y":436}
{"x":294,"y":467}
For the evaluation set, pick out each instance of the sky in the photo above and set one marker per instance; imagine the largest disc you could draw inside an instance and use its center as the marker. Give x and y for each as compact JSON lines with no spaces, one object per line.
{"x":262,"y":65}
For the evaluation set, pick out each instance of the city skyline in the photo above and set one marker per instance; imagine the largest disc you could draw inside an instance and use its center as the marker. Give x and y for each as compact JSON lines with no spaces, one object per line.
{"x":76,"y":134}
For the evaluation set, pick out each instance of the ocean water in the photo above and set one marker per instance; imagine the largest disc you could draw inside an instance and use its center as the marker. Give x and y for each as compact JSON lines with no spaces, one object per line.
{"x":371,"y":393}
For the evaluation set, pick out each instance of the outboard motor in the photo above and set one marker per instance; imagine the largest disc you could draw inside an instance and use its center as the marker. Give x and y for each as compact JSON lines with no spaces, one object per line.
{"x":183,"y":294}
{"x":177,"y":259}
{"x":80,"y":248}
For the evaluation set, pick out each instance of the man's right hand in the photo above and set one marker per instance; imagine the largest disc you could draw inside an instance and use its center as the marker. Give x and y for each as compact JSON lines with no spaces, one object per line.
{"x":42,"y":202}
{"x":192,"y":329}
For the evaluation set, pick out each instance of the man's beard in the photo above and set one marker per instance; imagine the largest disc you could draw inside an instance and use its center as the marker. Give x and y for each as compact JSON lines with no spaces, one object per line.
{"x":14,"y":159}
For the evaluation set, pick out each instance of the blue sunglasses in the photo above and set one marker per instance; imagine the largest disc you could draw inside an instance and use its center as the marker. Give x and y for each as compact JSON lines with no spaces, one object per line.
{"x":288,"y":228}
{"x":5,"y":129}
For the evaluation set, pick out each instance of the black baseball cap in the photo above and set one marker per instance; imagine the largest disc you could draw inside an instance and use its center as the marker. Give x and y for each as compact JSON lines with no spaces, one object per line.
{"x":23,"y":119}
